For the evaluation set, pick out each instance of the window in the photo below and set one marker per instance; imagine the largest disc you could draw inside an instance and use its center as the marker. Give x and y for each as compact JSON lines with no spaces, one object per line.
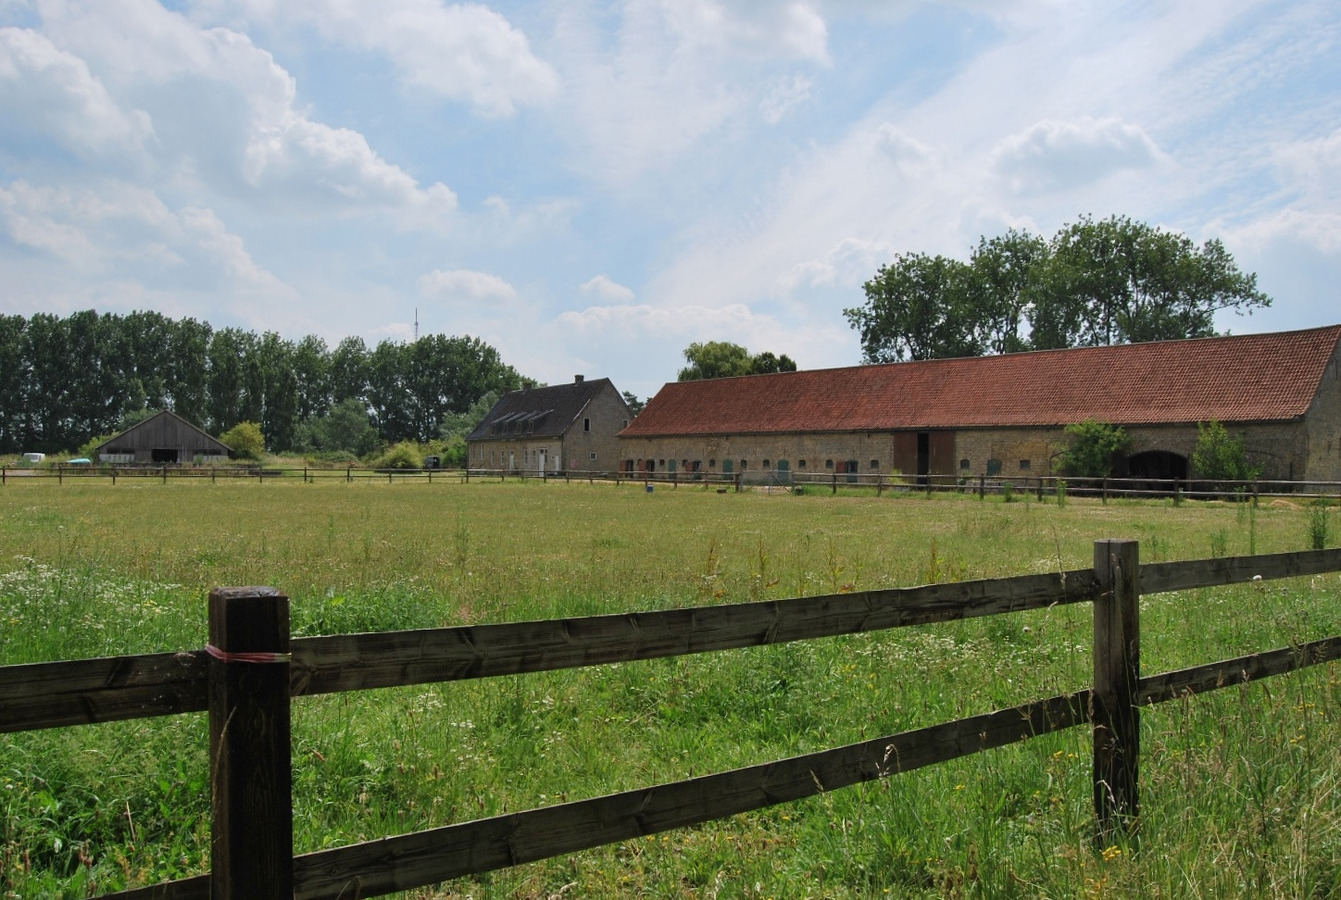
{"x":712,"y":464}
{"x":586,"y":424}
{"x":993,"y":467}
{"x":875,"y":464}
{"x":765,"y":464}
{"x":1025,"y":465}
{"x":800,"y":464}
{"x":964,"y":464}
{"x":828,"y":464}
{"x":593,"y":455}
{"x":744,"y":464}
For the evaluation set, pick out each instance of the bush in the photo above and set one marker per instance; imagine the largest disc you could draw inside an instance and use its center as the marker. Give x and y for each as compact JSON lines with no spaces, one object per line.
{"x":245,"y":440}
{"x":1219,"y":456}
{"x":1319,"y":529}
{"x":1094,"y":448}
{"x":405,"y":455}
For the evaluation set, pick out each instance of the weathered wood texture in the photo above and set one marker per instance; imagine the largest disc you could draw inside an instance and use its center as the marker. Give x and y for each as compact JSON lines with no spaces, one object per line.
{"x":1117,"y":667}
{"x":251,"y":835}
{"x":1157,"y":578}
{"x":109,"y":689}
{"x":363,"y":661}
{"x":314,"y":873}
{"x":50,"y":695}
{"x":1240,"y":670}
{"x":427,"y":857}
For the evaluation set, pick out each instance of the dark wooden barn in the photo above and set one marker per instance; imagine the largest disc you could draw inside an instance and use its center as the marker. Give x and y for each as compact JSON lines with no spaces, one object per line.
{"x":166,"y":438}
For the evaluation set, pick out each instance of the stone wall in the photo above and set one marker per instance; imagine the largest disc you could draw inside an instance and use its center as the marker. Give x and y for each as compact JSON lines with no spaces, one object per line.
{"x":1323,"y":434}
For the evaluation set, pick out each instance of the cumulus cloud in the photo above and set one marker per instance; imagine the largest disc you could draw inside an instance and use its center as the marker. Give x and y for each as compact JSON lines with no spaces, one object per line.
{"x":1056,"y":155}
{"x":464,"y":52}
{"x":450,"y":284}
{"x":116,"y":230}
{"x":227,"y":113}
{"x":605,"y":288}
{"x":47,"y":94}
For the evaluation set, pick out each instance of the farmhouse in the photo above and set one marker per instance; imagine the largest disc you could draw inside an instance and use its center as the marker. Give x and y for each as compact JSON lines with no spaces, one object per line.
{"x":1004,"y":415}
{"x":164,"y":438}
{"x":548,"y":429}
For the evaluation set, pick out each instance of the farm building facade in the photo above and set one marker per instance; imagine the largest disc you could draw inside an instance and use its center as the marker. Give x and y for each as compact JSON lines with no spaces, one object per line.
{"x":565,"y":427}
{"x":1005,"y":415}
{"x":161,"y":439}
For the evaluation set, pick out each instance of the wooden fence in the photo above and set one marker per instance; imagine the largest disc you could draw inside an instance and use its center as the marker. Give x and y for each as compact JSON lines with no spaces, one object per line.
{"x":1041,"y":487}
{"x":250,"y":671}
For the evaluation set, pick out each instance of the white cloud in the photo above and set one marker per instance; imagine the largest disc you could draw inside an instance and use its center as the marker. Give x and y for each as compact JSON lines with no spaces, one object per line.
{"x":679,"y":79}
{"x":1056,"y":155}
{"x":48,"y":94}
{"x":1313,"y":169}
{"x":226,"y":113}
{"x":605,"y":288}
{"x":464,"y":52}
{"x":758,"y":31}
{"x":118,"y":231}
{"x":784,"y":97}
{"x":449,"y":284}
{"x":849,"y":263}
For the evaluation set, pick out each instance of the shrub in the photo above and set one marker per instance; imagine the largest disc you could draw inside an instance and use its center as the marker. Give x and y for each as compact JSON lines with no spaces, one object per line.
{"x":1093,"y":449}
{"x":1219,"y":456}
{"x":404,"y":455}
{"x":245,"y":440}
{"x":1319,"y":530}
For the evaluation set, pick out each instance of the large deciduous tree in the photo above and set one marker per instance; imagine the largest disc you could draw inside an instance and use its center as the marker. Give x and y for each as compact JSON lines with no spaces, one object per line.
{"x":1101,"y":282}
{"x":919,"y":307}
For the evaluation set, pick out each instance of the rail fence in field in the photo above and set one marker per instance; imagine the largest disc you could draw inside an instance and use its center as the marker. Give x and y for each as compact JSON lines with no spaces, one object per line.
{"x":1040,"y":486}
{"x":248,"y":674}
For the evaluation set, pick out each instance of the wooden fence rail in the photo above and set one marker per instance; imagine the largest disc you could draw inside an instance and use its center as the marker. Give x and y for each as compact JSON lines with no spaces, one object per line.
{"x":251,"y":670}
{"x":1039,"y":486}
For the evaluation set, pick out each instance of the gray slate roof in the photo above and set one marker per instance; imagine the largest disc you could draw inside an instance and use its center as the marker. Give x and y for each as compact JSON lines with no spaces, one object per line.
{"x":545,"y":412}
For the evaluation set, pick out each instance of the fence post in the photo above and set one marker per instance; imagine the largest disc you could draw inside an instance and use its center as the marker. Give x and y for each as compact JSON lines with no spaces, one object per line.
{"x":251,"y":836}
{"x":1117,"y":671}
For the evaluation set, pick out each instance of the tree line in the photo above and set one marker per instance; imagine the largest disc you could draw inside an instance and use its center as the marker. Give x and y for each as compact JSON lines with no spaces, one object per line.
{"x":1094,"y":283}
{"x":66,"y":380}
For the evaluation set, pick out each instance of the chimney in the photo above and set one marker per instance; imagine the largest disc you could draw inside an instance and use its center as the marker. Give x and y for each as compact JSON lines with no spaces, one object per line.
{"x":578,"y":379}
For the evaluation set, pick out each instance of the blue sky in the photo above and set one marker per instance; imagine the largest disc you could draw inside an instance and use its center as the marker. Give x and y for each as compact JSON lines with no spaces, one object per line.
{"x":590,"y":187}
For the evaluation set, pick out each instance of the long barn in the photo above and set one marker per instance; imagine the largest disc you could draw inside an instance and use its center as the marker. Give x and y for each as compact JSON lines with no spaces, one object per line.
{"x":1005,"y":415}
{"x":164,"y":438}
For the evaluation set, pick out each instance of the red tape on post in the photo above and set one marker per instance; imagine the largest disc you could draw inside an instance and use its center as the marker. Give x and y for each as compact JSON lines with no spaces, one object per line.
{"x":262,"y":658}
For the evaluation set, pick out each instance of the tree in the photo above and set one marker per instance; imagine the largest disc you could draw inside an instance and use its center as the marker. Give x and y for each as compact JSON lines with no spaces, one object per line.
{"x":245,"y":440}
{"x":635,"y":405}
{"x":1219,"y":456}
{"x":917,"y":308}
{"x":1093,"y":450}
{"x":345,"y":427}
{"x":723,"y":359}
{"x":1117,"y":281}
{"x":1096,"y":282}
{"x":1002,"y":283}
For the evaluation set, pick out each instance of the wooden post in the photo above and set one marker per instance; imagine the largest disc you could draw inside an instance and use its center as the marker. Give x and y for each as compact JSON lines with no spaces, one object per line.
{"x":1105,"y":489}
{"x":1117,"y":671}
{"x":250,"y":775}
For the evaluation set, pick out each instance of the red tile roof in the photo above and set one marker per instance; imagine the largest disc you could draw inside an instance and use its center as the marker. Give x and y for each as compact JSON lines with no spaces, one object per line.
{"x":1257,"y":377}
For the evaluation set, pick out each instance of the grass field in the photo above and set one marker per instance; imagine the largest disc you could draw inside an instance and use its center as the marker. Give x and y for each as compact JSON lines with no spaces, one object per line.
{"x":1239,"y":788}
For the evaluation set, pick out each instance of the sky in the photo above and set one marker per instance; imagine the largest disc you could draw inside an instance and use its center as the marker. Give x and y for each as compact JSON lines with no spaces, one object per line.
{"x":592,"y":186}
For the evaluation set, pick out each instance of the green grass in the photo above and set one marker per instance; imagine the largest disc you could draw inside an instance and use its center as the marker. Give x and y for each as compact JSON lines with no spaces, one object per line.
{"x":1238,"y":787}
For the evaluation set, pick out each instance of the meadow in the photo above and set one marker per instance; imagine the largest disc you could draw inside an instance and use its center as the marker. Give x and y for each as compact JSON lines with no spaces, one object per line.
{"x":1239,"y":788}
